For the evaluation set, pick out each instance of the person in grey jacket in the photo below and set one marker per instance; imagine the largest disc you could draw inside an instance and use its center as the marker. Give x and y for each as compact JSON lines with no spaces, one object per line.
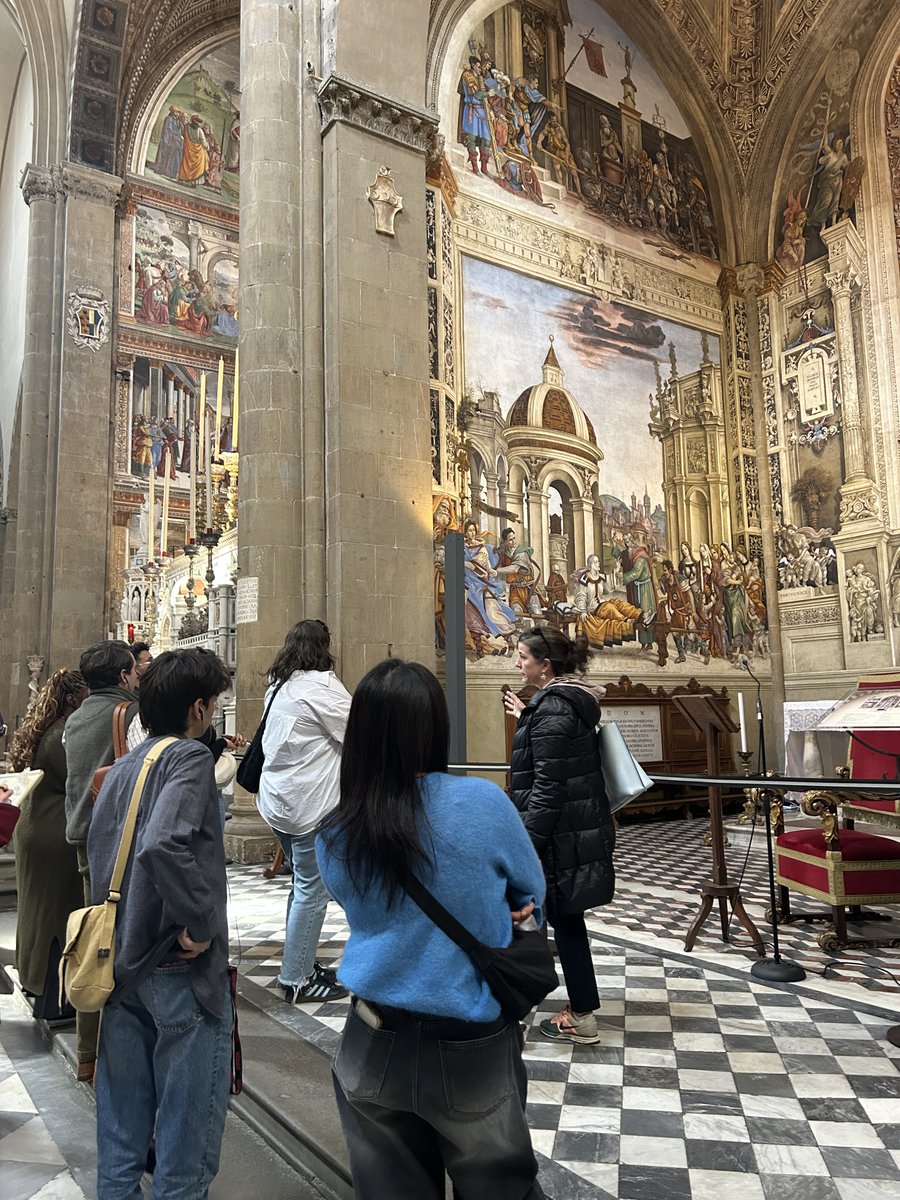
{"x":109,"y":671}
{"x":165,"y":1053}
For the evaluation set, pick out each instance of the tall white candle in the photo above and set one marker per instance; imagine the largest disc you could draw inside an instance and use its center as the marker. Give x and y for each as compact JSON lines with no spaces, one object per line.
{"x":201,"y":419}
{"x":236,"y":403}
{"x":742,"y":723}
{"x":208,"y":447}
{"x":164,"y":530}
{"x":192,"y":501}
{"x":151,"y":524}
{"x":220,"y":387}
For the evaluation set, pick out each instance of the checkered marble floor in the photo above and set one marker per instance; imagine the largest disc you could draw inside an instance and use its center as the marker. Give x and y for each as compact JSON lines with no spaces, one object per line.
{"x":32,"y":1165}
{"x":705,"y":1085}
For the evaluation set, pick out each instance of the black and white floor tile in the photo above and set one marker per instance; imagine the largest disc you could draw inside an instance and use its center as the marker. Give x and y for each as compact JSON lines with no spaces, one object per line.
{"x":705,"y":1084}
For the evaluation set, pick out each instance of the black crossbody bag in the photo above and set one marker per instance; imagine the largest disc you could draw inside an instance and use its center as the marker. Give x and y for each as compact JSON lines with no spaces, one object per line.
{"x":249,"y":772}
{"x":519,"y":975}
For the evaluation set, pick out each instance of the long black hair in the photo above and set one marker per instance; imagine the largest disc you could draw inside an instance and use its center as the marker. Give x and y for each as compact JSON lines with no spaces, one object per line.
{"x":398,"y":730}
{"x":307,"y":647}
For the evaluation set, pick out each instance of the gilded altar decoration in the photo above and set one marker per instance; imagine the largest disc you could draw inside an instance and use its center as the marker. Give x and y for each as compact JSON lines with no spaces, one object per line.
{"x":87,"y":318}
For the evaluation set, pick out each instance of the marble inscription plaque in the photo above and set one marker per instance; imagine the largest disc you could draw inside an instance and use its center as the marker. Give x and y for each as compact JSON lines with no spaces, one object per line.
{"x":640,"y":727}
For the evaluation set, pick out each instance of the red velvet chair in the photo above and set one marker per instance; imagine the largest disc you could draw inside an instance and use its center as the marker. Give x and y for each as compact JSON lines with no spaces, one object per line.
{"x":841,"y":868}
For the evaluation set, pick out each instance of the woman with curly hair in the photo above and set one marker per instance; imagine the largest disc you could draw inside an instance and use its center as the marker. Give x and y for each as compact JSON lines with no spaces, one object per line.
{"x":49,"y":885}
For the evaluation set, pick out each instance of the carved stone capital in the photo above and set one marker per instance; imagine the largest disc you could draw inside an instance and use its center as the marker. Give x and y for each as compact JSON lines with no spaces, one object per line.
{"x":84,"y":183}
{"x":8,"y":514}
{"x":842,"y":284}
{"x":351,"y":103}
{"x":40,"y":183}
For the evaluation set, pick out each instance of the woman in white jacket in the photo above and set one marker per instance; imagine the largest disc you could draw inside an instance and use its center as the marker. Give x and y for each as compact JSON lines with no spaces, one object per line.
{"x":299,"y":786}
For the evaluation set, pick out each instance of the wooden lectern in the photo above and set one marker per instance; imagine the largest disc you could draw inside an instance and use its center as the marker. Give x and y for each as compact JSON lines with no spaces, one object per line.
{"x":709,"y":721}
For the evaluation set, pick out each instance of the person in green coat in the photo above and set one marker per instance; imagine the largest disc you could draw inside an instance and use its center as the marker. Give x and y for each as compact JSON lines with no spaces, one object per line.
{"x":47,"y":878}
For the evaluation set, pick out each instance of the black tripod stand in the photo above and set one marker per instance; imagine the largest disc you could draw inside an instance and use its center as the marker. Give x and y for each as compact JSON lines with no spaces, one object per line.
{"x":774,"y":969}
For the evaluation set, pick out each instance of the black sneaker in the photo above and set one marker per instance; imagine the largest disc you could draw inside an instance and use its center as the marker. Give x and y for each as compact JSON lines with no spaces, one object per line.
{"x":318,"y":989}
{"x":330,"y":973}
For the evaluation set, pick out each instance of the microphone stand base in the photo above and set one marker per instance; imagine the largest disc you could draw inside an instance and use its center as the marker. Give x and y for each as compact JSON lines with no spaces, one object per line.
{"x":771,"y":971}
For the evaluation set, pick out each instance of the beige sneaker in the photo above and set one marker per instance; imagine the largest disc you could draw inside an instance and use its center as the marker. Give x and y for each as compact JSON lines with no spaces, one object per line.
{"x":567,"y":1027}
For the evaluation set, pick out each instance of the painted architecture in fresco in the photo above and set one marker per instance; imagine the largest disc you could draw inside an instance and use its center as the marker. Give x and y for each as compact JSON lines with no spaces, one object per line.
{"x":178,"y":317}
{"x":558,"y":111}
{"x":597,"y":491}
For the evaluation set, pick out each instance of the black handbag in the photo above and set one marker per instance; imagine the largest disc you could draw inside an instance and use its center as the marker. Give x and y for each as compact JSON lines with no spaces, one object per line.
{"x":249,"y":772}
{"x":519,"y":975}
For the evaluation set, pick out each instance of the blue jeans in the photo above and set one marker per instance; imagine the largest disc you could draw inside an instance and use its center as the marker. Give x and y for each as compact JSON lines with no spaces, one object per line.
{"x":164,"y":1067}
{"x":306,"y":906}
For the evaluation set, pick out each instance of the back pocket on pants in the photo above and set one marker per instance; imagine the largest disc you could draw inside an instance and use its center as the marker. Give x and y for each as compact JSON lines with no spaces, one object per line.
{"x":478,"y":1075}
{"x":362,"y":1059}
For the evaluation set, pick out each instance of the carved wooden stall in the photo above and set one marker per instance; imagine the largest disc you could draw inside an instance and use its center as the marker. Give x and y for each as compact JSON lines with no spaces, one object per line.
{"x":658,"y":736}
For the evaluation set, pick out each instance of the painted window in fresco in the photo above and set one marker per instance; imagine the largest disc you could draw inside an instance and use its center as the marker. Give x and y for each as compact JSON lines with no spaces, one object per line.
{"x":195,"y":143}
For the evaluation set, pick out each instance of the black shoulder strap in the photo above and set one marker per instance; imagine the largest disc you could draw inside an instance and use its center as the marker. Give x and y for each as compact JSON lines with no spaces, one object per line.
{"x":444,"y":920}
{"x":262,"y":723}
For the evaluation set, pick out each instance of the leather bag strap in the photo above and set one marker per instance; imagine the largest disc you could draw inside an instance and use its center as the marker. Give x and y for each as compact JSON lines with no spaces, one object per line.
{"x":127,"y":838}
{"x":120,"y":745}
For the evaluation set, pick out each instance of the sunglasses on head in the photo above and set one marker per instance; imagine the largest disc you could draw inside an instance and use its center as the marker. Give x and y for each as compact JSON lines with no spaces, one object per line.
{"x":537,"y":629}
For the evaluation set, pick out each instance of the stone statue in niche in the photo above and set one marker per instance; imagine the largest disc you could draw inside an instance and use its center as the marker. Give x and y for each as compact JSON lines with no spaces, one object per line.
{"x":895,"y":600}
{"x":806,"y":558}
{"x":862,"y":604}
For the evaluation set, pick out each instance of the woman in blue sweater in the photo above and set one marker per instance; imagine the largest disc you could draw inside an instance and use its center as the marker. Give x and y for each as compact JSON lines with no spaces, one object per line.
{"x":429,"y":1075}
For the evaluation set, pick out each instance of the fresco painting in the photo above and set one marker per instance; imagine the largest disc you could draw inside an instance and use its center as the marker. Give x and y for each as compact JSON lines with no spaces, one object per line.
{"x":566,"y":518}
{"x":195,"y":143}
{"x":186,"y":276}
{"x":559,"y":111}
{"x":165,"y":411}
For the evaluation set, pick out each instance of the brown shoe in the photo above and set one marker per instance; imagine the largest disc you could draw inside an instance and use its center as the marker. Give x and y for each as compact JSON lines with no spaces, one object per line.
{"x":85,"y":1072}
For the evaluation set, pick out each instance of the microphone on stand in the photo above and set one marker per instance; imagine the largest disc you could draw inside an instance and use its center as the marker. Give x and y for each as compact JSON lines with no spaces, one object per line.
{"x":774,"y":969}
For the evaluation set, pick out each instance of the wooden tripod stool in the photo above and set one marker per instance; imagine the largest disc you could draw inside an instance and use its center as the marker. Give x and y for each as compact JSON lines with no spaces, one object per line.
{"x":711,"y":722}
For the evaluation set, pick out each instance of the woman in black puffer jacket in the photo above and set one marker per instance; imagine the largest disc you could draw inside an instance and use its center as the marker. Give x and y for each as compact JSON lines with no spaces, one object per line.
{"x":557,"y":786}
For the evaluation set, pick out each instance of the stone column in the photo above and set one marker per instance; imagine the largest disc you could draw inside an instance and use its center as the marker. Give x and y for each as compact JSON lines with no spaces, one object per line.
{"x":583,"y":522}
{"x":40,"y":188}
{"x":79,"y":605}
{"x":272,"y":482}
{"x":378,"y":428}
{"x":860,"y":501}
{"x":751,"y":281}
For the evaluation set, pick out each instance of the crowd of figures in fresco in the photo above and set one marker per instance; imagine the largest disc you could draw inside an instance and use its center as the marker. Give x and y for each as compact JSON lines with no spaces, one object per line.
{"x":705,"y":604}
{"x":158,"y":441}
{"x":189,"y":153}
{"x":168,"y":293}
{"x":509,"y":127}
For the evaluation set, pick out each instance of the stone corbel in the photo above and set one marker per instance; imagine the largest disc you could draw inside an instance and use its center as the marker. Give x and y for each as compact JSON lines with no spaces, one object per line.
{"x":84,"y":183}
{"x":8,"y":514}
{"x":343,"y":100}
